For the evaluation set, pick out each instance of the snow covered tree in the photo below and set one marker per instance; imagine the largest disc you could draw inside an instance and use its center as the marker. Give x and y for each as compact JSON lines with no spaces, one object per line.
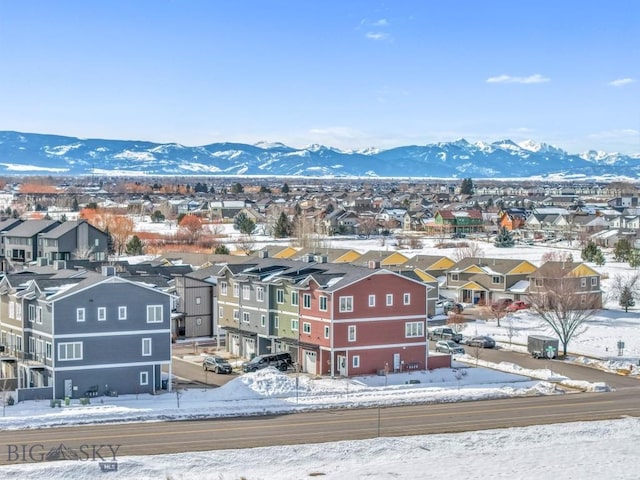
{"x":504,"y":239}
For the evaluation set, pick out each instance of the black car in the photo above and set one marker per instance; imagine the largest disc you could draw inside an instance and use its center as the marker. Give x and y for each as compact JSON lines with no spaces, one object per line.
{"x":216,"y":364}
{"x":481,"y":341}
{"x":282,"y":361}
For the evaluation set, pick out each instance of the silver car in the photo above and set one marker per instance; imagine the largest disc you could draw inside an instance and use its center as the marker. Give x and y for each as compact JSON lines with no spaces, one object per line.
{"x":450,"y":347}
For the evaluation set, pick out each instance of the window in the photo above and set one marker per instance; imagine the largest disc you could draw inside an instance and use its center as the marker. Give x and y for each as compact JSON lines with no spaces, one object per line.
{"x":583,"y":282}
{"x":539,"y":282}
{"x":306,"y":300}
{"x":295,"y":298}
{"x":454,"y":277}
{"x":294,"y":325}
{"x":263,"y":320}
{"x":223,"y":288}
{"x":32,"y":345}
{"x":70,"y":351}
{"x":12,"y":310}
{"x":583,"y":299}
{"x":276,"y":322}
{"x":327,"y":331}
{"x":32,"y":313}
{"x":594,"y":281}
{"x":246,"y":292}
{"x":406,"y":299}
{"x":260,"y":294}
{"x":414,"y":329}
{"x":198,"y":300}
{"x":39,"y":315}
{"x":80,"y":314}
{"x":279,"y":296}
{"x":220,"y":312}
{"x":146,"y":347}
{"x":122,"y":313}
{"x":372,"y":300}
{"x":245,"y":317}
{"x":102,"y":314}
{"x":306,"y":327}
{"x":496,"y":279}
{"x":18,"y":311}
{"x":323,"y":303}
{"x":48,"y":350}
{"x":198,"y":321}
{"x":389,"y":299}
{"x":236,"y":290}
{"x":351,"y":333}
{"x":346,"y":304}
{"x":355,"y":361}
{"x":154,"y":313}
{"x":236,"y":314}
{"x":144,"y":378}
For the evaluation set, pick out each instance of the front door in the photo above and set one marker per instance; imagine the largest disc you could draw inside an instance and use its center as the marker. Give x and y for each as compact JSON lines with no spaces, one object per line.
{"x":68,"y":388}
{"x":396,"y":362}
{"x":342,"y":365}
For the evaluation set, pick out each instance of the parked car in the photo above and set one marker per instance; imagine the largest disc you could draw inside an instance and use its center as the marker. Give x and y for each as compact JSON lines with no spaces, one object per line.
{"x":501,"y":304}
{"x":481,"y":341}
{"x":458,"y":235}
{"x":282,"y":361}
{"x":216,"y":364}
{"x":518,"y":305}
{"x":444,"y":333}
{"x":450,"y":347}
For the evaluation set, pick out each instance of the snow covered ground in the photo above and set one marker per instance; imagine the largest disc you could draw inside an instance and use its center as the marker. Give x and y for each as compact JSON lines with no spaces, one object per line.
{"x":588,"y":450}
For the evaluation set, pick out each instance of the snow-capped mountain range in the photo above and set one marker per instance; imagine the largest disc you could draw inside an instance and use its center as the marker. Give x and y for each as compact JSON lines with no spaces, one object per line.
{"x":38,"y":154}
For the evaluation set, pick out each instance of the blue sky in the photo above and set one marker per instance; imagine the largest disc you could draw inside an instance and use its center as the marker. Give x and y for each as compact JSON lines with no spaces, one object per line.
{"x":349,"y":74}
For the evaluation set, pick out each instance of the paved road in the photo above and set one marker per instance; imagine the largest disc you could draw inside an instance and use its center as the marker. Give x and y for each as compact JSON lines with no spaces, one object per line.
{"x":333,"y":425}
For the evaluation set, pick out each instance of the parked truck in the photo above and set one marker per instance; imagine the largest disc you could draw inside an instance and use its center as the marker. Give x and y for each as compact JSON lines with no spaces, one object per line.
{"x":541,"y":346}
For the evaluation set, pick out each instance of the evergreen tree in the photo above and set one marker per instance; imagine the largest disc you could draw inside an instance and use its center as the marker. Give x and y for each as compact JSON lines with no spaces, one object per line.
{"x":63,"y":218}
{"x":221,"y":249}
{"x":592,"y":253}
{"x":135,"y":246}
{"x":283,"y":226}
{"x":622,"y":250}
{"x":467,"y":187}
{"x":237,"y":188}
{"x":157,"y":216}
{"x":110,"y":245}
{"x":504,"y":239}
{"x":74,"y":205}
{"x":285,"y":188}
{"x":244,"y":224}
{"x":634,"y":258}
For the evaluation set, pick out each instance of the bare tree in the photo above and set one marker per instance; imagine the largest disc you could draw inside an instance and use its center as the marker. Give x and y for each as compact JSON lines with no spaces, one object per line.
{"x":367,"y":226}
{"x":305,"y":235}
{"x":467,"y":250}
{"x":557,"y":296}
{"x":82,"y":253}
{"x":496,"y":311}
{"x":456,"y":321}
{"x":246,"y":244}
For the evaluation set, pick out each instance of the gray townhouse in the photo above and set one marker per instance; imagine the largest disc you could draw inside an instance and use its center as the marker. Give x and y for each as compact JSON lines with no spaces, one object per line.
{"x":26,"y":241}
{"x":66,"y":332}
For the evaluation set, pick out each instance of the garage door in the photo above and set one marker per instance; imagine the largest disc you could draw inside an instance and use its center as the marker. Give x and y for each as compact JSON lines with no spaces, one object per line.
{"x":310,"y":361}
{"x":234,"y":344}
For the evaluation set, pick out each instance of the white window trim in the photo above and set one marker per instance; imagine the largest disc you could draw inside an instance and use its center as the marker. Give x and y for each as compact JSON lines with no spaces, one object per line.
{"x":246,"y":292}
{"x":144,"y":378}
{"x":406,"y":299}
{"x":80,"y":314}
{"x":295,"y":325}
{"x":414,"y":329}
{"x":346,"y":304}
{"x":327,"y":331}
{"x":154,"y":318}
{"x":355,"y":361}
{"x":305,"y":297}
{"x":372,"y":300}
{"x":306,"y":327}
{"x":122,"y":312}
{"x":65,"y":347}
{"x":224,"y":288}
{"x":246,"y":318}
{"x":351,"y":333}
{"x":389,"y":300}
{"x":323,"y":302}
{"x":260,"y":294}
{"x":102,"y":314}
{"x":147,"y":347}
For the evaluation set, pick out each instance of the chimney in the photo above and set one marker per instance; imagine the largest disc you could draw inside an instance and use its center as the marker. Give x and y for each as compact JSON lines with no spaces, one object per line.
{"x":108,"y":270}
{"x":374,"y":264}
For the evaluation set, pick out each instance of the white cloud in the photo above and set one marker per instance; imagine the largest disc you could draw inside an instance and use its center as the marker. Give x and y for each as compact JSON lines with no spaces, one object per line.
{"x":380,"y":23}
{"x":621,"y":82}
{"x":615,"y":134}
{"x":535,"y":78}
{"x":377,"y":35}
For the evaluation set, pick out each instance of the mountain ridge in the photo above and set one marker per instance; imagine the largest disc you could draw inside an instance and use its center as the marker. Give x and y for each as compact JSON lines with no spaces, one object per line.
{"x":45,"y":154}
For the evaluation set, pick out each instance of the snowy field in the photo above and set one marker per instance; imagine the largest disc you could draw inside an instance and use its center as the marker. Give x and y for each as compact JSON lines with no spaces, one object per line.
{"x":589,"y":450}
